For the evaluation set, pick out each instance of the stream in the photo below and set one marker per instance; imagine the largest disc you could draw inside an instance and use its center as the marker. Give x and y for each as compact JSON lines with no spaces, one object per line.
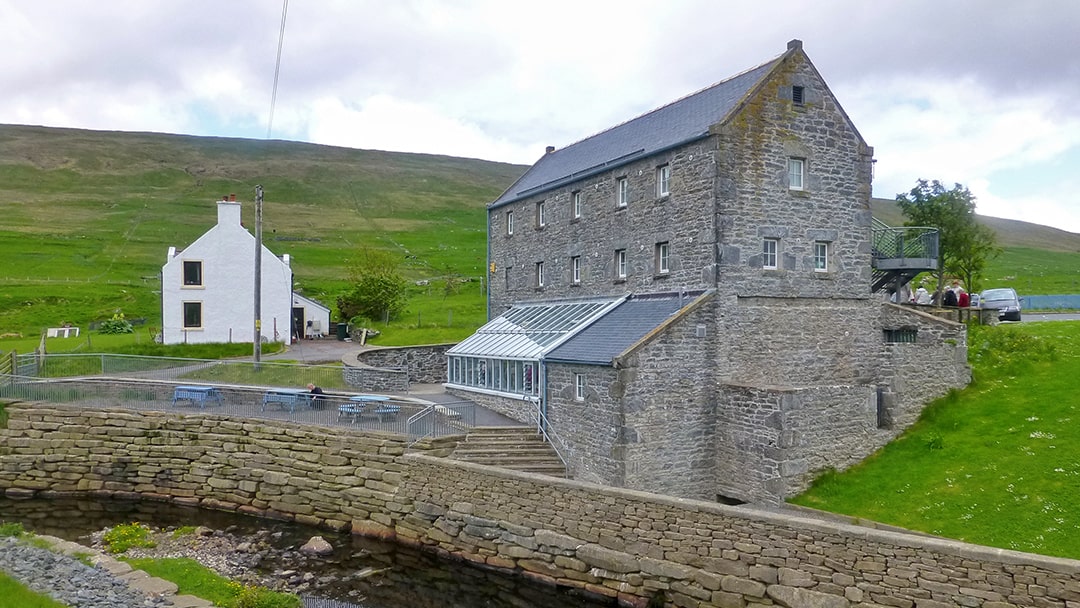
{"x":395,"y":576}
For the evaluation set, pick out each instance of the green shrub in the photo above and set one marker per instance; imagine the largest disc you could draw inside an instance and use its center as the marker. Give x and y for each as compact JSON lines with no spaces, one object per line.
{"x":125,"y":536}
{"x":117,"y":325}
{"x":11,"y":528}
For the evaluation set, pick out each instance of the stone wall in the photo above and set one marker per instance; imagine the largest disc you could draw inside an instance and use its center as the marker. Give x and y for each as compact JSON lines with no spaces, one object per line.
{"x":916,"y":374}
{"x":605,"y":541}
{"x":424,"y":364}
{"x":376,"y":379}
{"x":315,"y":475}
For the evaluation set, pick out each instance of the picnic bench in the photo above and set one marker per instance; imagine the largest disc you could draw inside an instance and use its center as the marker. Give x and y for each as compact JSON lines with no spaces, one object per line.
{"x":286,"y":397}
{"x":368,"y":405}
{"x":197,"y":395}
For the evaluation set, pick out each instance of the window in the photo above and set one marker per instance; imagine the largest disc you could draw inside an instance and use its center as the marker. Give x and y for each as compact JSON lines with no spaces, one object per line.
{"x":576,"y":198}
{"x":579,"y":387}
{"x":663,"y":256}
{"x":663,"y":180}
{"x":540,"y":219}
{"x":192,"y":273}
{"x":769,"y":248}
{"x":821,"y":257}
{"x":539,"y":274}
{"x":797,"y":95}
{"x":796,"y":169}
{"x":192,"y":315}
{"x":901,"y":336}
{"x":620,"y":263}
{"x":509,"y":223}
{"x":622,"y":196}
{"x":575,"y":269}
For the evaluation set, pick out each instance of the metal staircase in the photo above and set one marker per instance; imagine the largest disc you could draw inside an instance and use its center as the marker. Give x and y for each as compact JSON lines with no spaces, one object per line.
{"x":899,"y":254}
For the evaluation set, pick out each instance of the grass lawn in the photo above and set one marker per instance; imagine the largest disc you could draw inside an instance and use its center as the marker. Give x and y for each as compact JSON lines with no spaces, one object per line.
{"x":193,"y":578}
{"x":17,"y":594}
{"x":997,"y":463}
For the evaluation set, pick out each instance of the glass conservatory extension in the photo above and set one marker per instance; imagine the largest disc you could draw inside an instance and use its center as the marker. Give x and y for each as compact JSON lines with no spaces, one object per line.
{"x":504,"y":356}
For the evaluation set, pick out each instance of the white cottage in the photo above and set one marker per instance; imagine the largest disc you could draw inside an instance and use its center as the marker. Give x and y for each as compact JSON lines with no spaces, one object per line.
{"x":207,"y":289}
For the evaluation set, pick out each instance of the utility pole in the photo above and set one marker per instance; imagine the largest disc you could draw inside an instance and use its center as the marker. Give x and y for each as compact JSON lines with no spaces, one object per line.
{"x":257,"y":348}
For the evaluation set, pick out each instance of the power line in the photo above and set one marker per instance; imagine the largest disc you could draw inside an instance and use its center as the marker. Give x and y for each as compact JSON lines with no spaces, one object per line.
{"x":277,"y":67}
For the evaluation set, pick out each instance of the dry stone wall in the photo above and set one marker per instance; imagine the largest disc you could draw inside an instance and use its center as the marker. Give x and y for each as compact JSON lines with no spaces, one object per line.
{"x":610,"y":542}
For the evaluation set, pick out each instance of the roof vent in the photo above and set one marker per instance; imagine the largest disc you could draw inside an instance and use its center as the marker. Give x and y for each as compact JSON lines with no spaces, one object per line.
{"x":549,"y":149}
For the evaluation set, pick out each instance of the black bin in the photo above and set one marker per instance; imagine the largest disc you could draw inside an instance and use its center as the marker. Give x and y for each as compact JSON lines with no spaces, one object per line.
{"x":342,"y":331}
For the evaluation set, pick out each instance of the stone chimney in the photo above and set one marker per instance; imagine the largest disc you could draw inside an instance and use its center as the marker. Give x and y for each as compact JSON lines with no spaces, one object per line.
{"x":228,"y":211}
{"x":794,"y":43}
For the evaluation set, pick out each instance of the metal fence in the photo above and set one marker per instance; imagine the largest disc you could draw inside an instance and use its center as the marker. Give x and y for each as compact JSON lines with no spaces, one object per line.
{"x":387,"y":413}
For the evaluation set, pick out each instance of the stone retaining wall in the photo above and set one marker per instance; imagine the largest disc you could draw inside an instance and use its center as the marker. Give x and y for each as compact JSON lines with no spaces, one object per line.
{"x":423,"y":364}
{"x":607,"y":541}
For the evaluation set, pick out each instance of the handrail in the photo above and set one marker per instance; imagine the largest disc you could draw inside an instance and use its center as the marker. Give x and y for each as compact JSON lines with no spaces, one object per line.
{"x":543,"y":426}
{"x":906,"y":242}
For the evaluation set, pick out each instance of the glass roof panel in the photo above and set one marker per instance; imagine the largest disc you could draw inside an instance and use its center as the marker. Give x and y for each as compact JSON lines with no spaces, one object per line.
{"x":527,"y":331}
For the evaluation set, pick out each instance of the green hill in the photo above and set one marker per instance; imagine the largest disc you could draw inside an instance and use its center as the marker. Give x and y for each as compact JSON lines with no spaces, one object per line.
{"x":86,"y":217}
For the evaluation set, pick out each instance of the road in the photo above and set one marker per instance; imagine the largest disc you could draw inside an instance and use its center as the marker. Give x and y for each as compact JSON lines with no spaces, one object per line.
{"x":1051,"y":316}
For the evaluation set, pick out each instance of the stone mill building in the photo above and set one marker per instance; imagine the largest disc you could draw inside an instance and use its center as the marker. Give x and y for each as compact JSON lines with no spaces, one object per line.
{"x":687,"y":299}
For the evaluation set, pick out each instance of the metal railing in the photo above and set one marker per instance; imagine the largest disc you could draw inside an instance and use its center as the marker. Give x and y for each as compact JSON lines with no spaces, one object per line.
{"x":384,"y":413}
{"x":917,"y":242}
{"x":176,"y":369}
{"x":547,"y":430}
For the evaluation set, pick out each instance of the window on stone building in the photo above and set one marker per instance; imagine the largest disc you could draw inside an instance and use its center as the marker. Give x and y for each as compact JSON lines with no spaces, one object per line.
{"x":576,"y":197}
{"x":620,"y":263}
{"x":539,"y":274}
{"x":579,"y":387}
{"x":575,"y":269}
{"x":797,"y":95}
{"x":901,"y":336}
{"x":541,"y":220}
{"x":821,"y":256}
{"x":193,"y":315}
{"x":509,"y":223}
{"x":769,"y":253}
{"x":193,"y":273}
{"x":663,"y":257}
{"x":663,"y":180}
{"x":796,"y":173}
{"x":622,"y":192}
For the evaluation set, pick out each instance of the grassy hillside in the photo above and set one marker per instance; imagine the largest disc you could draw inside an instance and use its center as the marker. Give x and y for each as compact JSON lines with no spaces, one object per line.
{"x":86,"y":217}
{"x":1036,"y":260}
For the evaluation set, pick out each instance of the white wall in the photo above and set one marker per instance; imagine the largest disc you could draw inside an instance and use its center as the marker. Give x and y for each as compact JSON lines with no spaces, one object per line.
{"x":227,"y":253}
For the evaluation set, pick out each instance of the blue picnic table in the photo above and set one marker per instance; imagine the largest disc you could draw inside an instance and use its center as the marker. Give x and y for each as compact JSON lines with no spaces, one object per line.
{"x":286,"y":397}
{"x":196,"y":395}
{"x":368,"y":405}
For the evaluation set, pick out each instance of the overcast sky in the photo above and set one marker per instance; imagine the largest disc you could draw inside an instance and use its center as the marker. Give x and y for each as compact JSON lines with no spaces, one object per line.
{"x":980,"y":92}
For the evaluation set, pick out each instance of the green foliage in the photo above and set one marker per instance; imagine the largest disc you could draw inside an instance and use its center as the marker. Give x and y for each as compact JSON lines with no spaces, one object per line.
{"x":11,"y":528}
{"x":183,"y":531}
{"x":116,"y":325}
{"x":17,"y":594}
{"x":193,"y":578}
{"x":994,"y":463}
{"x":965,"y":245}
{"x":125,"y":536}
{"x":378,"y":289}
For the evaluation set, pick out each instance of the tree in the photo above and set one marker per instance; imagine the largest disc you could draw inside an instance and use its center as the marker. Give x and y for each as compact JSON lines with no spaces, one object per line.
{"x":378,"y":288}
{"x":964,"y":244}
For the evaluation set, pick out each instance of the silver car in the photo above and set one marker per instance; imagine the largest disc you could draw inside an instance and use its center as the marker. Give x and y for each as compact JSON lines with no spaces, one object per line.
{"x":1005,"y":300}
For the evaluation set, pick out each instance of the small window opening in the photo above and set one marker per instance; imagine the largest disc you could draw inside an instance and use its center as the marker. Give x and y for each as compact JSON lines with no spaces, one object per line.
{"x":797,"y":95}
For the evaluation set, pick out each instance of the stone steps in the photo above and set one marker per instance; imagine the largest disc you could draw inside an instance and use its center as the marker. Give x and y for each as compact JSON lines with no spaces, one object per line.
{"x":516,"y":448}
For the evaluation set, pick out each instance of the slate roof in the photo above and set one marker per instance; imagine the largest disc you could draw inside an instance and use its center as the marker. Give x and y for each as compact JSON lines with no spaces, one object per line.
{"x":619,"y":329}
{"x":672,"y":125}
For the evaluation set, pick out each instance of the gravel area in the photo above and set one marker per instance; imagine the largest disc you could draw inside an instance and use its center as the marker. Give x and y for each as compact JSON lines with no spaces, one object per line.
{"x":68,"y":580}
